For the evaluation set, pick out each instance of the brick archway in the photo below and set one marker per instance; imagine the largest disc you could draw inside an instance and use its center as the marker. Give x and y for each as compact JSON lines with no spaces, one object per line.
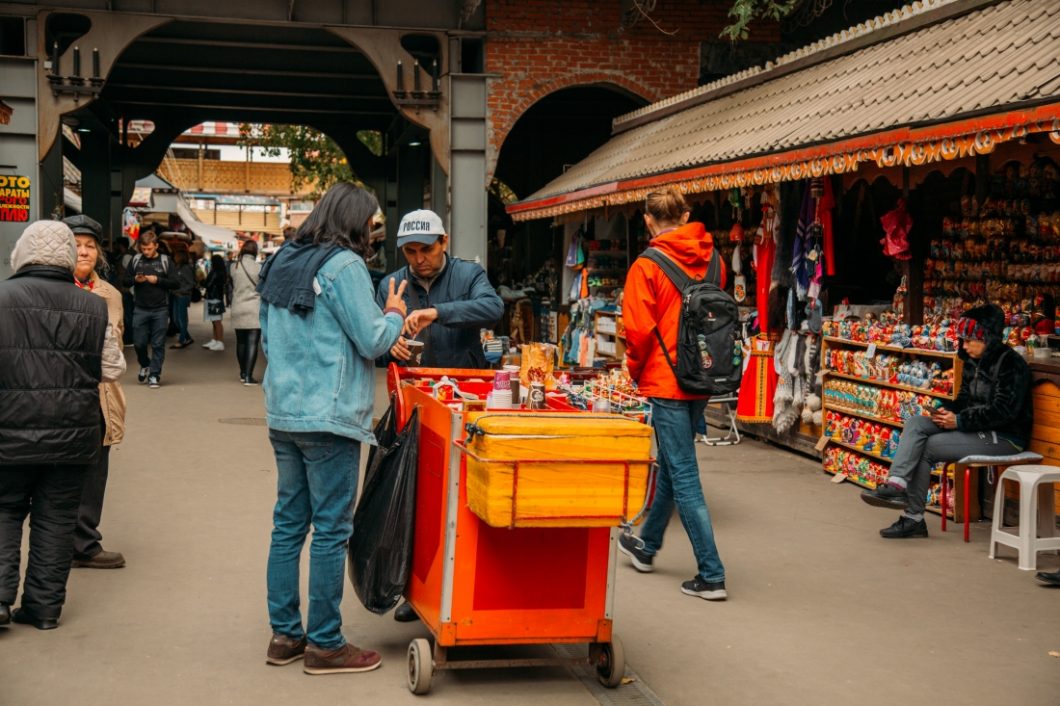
{"x":505,"y":110}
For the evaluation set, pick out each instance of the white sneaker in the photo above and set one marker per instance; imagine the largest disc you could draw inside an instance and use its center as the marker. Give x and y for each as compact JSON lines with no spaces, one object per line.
{"x":217,"y":346}
{"x":209,"y":344}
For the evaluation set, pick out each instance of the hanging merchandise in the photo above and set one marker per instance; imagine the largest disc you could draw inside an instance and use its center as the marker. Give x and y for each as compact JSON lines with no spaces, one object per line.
{"x":803,"y":263}
{"x":755,"y":402}
{"x":739,"y":282}
{"x":764,"y":253}
{"x":825,"y":206}
{"x":896,"y":226}
{"x":576,"y":252}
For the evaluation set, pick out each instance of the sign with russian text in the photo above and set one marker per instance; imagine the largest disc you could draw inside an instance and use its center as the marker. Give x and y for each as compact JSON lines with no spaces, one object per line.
{"x":14,"y":199}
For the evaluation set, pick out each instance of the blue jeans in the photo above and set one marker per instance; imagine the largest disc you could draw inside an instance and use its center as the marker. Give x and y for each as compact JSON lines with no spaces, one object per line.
{"x":317,"y":484}
{"x":678,"y":484}
{"x":149,"y":326}
{"x":180,"y":317}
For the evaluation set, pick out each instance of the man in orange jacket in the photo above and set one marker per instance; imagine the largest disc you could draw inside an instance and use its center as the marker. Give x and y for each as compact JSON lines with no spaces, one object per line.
{"x":652,"y":302}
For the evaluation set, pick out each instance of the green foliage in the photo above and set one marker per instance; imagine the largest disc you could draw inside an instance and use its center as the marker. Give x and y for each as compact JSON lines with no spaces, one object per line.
{"x":746,"y":11}
{"x":316,"y":159}
{"x":373,"y":140}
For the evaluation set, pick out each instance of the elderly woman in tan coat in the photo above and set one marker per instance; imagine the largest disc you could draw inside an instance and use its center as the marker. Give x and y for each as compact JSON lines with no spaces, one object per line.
{"x":246,"y":307}
{"x":88,"y":550}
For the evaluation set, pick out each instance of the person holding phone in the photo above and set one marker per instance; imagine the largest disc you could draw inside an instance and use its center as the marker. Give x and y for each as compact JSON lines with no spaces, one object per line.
{"x":991,"y":416}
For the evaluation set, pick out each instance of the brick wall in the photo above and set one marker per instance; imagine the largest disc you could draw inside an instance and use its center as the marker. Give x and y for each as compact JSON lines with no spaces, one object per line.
{"x":541,"y":46}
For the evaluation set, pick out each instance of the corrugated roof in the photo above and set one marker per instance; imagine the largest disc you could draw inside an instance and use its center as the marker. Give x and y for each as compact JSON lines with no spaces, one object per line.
{"x":998,"y":57}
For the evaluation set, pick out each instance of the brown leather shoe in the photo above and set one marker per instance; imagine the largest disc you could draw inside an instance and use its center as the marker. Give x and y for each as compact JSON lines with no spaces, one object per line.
{"x":102,"y":560}
{"x":347,"y":658}
{"x":284,"y":650}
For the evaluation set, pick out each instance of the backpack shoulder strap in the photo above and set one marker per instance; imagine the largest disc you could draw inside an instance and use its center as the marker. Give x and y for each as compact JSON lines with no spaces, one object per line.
{"x":670,"y":268}
{"x":714,"y":268}
{"x":135,"y":261}
{"x":165,"y":264}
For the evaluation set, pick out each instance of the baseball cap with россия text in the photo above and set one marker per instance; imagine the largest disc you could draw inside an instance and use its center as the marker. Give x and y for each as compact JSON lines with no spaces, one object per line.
{"x":422,"y":226}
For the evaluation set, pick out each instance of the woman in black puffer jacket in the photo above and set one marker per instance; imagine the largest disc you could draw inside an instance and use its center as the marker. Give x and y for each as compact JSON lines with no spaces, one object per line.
{"x":991,"y":416}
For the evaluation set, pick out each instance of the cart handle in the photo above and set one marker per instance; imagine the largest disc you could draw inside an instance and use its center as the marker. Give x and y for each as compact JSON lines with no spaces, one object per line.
{"x":625,"y":462}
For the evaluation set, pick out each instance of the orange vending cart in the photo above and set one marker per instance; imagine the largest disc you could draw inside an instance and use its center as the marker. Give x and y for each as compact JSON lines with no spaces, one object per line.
{"x":516,"y":526}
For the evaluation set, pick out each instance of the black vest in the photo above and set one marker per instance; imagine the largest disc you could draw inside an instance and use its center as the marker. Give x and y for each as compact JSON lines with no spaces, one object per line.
{"x":51,"y":346}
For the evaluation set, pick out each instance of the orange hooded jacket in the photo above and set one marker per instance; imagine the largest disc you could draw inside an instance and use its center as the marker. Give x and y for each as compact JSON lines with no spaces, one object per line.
{"x":651,"y":300}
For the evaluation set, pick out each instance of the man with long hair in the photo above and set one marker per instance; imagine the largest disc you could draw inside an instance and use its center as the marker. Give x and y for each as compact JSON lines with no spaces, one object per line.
{"x":321,"y":337}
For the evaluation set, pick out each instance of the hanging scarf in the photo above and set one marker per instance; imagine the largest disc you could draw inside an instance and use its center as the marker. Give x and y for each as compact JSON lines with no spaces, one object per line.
{"x":802,"y":266}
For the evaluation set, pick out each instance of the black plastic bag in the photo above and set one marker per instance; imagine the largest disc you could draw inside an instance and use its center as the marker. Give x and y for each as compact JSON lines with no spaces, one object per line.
{"x":381,"y":546}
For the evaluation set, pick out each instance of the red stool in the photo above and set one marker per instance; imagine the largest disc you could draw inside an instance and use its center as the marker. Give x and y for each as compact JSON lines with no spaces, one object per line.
{"x":970,"y":463}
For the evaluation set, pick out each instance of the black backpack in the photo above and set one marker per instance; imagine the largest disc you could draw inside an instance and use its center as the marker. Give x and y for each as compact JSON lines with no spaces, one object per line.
{"x":709,"y":354}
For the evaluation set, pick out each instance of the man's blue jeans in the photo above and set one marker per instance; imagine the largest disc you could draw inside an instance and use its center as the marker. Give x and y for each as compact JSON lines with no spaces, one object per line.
{"x":678,"y":484}
{"x":180,"y":317}
{"x":317,"y":484}
{"x":149,"y":326}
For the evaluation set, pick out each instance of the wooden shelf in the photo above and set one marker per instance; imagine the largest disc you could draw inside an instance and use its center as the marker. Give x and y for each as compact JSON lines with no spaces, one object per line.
{"x":891,"y":385}
{"x":864,"y":415}
{"x":894,"y":349}
{"x":878,"y":457}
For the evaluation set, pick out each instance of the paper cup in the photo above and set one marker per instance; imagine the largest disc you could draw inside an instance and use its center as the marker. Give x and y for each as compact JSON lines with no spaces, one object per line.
{"x":416,"y":348}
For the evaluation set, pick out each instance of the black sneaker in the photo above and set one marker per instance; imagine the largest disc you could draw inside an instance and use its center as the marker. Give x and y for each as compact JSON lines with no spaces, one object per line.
{"x":1047,"y":579}
{"x":633,"y":547}
{"x":707,"y":590}
{"x":142,"y":376}
{"x":153,"y":382}
{"x":904,"y":528}
{"x":886,"y":495}
{"x":250,"y":381}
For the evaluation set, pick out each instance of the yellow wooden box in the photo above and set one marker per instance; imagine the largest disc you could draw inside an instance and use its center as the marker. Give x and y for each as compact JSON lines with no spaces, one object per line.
{"x":556,"y":470}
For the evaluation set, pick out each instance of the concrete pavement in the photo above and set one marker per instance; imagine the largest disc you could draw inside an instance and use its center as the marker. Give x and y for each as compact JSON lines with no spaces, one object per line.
{"x":821,"y":611}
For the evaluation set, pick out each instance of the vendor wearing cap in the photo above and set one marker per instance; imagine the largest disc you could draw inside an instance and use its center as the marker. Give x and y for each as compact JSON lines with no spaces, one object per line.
{"x":448,"y":299}
{"x":991,"y":416}
{"x":88,"y":550}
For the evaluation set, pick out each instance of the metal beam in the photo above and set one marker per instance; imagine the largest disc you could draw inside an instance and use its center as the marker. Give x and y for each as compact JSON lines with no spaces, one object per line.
{"x":243,"y":91}
{"x":237,"y":44}
{"x":236,"y":71}
{"x":258,"y":108}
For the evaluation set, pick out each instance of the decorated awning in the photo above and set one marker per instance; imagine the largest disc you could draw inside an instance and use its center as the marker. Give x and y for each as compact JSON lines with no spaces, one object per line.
{"x":939,"y":80}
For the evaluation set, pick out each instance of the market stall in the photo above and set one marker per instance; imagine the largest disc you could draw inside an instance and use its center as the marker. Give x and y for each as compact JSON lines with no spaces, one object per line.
{"x":896,"y":195}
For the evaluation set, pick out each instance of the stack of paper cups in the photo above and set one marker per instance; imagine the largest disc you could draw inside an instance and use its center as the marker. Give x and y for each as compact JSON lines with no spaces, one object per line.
{"x":502,"y":399}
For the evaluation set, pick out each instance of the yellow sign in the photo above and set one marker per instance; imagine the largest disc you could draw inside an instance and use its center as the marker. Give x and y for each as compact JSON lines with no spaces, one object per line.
{"x":14,"y":198}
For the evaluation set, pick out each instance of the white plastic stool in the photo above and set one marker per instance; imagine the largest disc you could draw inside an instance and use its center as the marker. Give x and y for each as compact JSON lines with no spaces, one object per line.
{"x":728,"y":406}
{"x":1036,"y":502}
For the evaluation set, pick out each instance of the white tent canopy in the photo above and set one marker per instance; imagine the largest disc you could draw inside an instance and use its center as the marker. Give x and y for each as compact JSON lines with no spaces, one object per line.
{"x":218,"y":235}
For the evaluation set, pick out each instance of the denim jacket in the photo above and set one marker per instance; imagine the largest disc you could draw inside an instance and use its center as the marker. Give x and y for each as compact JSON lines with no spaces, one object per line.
{"x":321,"y":376}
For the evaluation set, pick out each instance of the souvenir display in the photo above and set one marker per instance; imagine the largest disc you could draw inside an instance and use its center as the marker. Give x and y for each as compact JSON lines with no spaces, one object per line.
{"x":856,"y":467}
{"x":893,"y":406}
{"x":1004,"y":249}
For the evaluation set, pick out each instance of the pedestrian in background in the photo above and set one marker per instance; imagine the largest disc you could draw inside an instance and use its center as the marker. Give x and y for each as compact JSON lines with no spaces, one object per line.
{"x":56,"y":346}
{"x":213,"y":308}
{"x":321,"y":335}
{"x":246,"y":307}
{"x":182,"y":296}
{"x":151,"y":275}
{"x":651,"y":308}
{"x":88,"y":541}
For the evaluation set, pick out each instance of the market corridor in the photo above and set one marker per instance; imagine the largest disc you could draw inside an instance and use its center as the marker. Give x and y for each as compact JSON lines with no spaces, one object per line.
{"x":821,"y":611}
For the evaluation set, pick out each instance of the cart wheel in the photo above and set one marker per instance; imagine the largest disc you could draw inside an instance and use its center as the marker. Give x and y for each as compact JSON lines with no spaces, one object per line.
{"x":609,"y":659}
{"x":421,"y":666}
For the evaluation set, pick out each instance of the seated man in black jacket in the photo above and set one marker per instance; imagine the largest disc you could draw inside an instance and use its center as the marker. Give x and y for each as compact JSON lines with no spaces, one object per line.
{"x":990,"y":417}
